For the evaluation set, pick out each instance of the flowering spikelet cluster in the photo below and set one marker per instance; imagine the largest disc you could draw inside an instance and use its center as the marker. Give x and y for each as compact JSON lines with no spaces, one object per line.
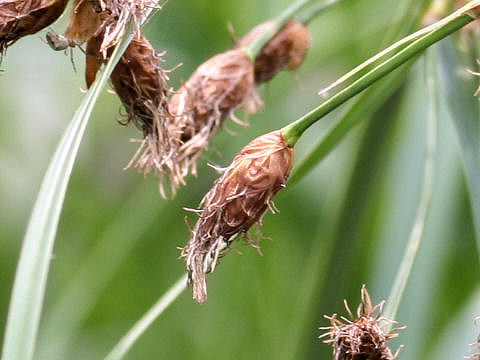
{"x":361,"y":337}
{"x":121,"y":12}
{"x":104,"y":19}
{"x":286,"y":50}
{"x":238,"y":200}
{"x":26,"y":17}
{"x":218,"y":87}
{"x":141,"y":85}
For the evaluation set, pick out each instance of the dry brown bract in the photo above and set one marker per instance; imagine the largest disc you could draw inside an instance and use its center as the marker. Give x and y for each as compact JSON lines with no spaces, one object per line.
{"x":26,"y":17}
{"x":215,"y":90}
{"x":286,"y":50}
{"x":361,"y":337}
{"x":121,"y":12}
{"x":103,"y":19}
{"x":238,"y":199}
{"x":86,"y":20}
{"x":141,"y":84}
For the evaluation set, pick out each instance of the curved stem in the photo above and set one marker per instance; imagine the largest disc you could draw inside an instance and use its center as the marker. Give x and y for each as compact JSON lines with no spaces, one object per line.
{"x":317,"y":10}
{"x":457,"y":20}
{"x":126,"y":342}
{"x":256,"y":46}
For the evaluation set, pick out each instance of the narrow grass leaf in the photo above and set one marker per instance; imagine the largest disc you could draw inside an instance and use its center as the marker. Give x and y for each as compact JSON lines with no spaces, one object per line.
{"x":61,"y":324}
{"x":32,"y":270}
{"x":418,"y":228}
{"x":126,"y":342}
{"x":458,"y":87}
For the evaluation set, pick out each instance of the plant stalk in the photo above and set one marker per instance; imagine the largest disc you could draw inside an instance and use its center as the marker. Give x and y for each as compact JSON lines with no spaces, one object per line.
{"x":453,"y":22}
{"x":256,"y":46}
{"x":126,"y":342}
{"x":307,"y":16}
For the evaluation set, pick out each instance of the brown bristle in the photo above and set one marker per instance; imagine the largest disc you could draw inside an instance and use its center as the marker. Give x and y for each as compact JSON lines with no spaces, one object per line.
{"x":215,"y":90}
{"x":238,"y":199}
{"x":362,"y":336}
{"x":21,"y":18}
{"x":120,"y":14}
{"x":286,"y":50}
{"x":141,"y":85}
{"x":138,"y":79}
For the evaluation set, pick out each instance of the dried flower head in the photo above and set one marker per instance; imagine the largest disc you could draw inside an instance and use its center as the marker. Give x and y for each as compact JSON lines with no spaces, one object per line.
{"x":238,"y":200}
{"x":361,"y":337}
{"x":141,"y":84}
{"x":120,"y":13}
{"x":104,"y":19}
{"x":286,"y":50}
{"x":21,"y":18}
{"x":215,"y":90}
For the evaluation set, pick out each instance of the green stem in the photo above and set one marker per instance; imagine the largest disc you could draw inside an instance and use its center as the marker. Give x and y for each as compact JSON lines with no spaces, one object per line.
{"x":256,"y":46}
{"x":417,"y":231}
{"x":358,"y":113}
{"x":366,"y":104}
{"x":453,"y":22}
{"x":126,"y":342}
{"x":317,"y":10}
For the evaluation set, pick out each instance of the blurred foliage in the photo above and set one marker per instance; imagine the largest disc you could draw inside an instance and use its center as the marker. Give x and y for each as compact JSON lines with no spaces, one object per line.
{"x":342,"y":226}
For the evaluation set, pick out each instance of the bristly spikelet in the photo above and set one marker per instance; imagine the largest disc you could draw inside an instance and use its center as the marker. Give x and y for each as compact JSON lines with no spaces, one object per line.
{"x":286,"y":50}
{"x":361,"y":337}
{"x":215,"y":90}
{"x":121,"y":12}
{"x":26,"y":17}
{"x":238,"y":200}
{"x":141,"y":84}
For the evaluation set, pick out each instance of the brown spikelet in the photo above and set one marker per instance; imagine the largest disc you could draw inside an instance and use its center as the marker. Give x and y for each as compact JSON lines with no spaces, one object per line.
{"x":215,"y":90}
{"x":120,"y":13}
{"x":141,"y":84}
{"x":238,"y":199}
{"x":361,"y":337}
{"x":26,"y":17}
{"x":286,"y":50}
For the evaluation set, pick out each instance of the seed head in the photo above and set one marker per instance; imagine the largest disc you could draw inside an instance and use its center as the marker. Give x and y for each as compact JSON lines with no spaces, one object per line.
{"x":215,"y":90}
{"x":238,"y":200}
{"x":286,"y":50}
{"x":361,"y":337}
{"x":21,"y":18}
{"x":120,"y":13}
{"x":141,"y":84}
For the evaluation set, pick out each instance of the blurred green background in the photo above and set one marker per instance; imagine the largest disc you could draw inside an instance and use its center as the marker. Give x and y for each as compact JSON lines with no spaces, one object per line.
{"x":344,"y":225}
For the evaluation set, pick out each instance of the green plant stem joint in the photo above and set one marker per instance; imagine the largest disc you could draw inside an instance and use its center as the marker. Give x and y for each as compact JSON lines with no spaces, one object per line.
{"x":458,"y":19}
